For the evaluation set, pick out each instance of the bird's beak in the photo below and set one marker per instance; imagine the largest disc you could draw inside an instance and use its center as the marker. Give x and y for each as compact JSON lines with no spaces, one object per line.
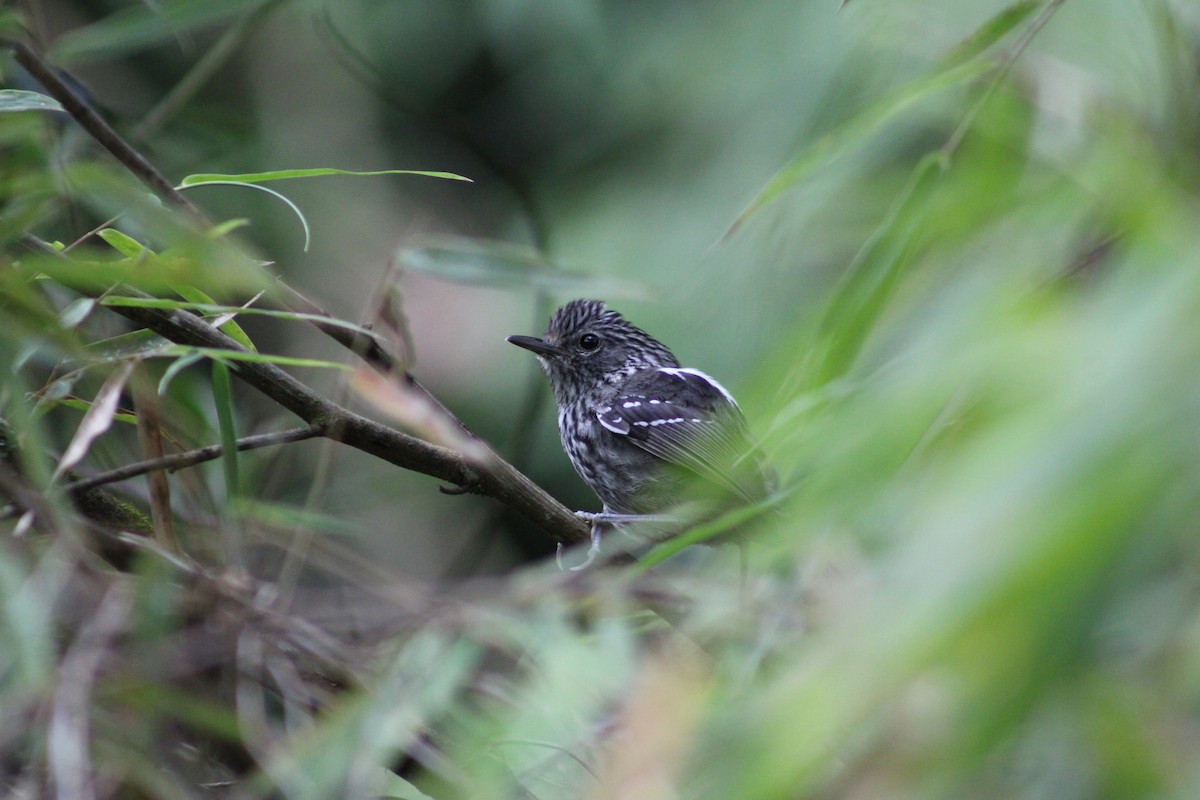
{"x":536,"y":345}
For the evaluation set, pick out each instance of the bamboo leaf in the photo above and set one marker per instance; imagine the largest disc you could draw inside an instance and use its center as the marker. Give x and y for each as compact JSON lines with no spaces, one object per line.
{"x":277,"y":195}
{"x":201,"y":179}
{"x":12,"y":100}
{"x":124,"y":244}
{"x":177,"y":366}
{"x":856,"y":130}
{"x":230,"y":328}
{"x":143,"y":25}
{"x":503,"y":264}
{"x":97,"y":420}
{"x":217,"y":354}
{"x":216,"y":308}
{"x":223,"y":400}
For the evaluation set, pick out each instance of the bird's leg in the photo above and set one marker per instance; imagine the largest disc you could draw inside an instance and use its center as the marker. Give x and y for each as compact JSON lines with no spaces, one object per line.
{"x":598,"y":521}
{"x":611,"y":518}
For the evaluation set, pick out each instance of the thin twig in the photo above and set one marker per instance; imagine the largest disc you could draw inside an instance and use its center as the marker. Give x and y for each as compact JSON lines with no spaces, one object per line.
{"x":176,"y":461}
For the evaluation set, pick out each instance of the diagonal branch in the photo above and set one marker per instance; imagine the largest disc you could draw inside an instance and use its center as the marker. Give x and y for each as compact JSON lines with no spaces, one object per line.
{"x":495,"y":478}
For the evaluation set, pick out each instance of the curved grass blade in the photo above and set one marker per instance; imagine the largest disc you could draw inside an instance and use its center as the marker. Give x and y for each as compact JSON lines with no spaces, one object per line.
{"x":277,"y":195}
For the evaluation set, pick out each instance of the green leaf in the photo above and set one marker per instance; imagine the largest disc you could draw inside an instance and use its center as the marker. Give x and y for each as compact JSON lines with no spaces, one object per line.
{"x":19,"y":100}
{"x":143,"y":25}
{"x":80,"y":404}
{"x":277,"y":195}
{"x":860,"y":297}
{"x":135,"y":344}
{"x":287,"y":174}
{"x":227,"y":227}
{"x":991,"y":32}
{"x":74,"y":314}
{"x":217,"y":354}
{"x":490,"y":263}
{"x":289,"y":517}
{"x":177,"y":366}
{"x":230,"y":328}
{"x":223,"y":400}
{"x":856,"y":130}
{"x":124,"y":244}
{"x":216,"y":308}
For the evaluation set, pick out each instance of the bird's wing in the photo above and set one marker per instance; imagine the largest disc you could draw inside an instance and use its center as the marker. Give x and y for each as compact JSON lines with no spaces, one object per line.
{"x":685,"y":417}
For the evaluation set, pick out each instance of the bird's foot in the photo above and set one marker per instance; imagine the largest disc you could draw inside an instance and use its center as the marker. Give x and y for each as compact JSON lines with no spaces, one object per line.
{"x":593,"y":550}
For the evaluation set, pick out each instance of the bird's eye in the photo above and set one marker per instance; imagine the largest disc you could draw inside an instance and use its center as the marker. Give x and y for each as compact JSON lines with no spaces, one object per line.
{"x":589,"y":341}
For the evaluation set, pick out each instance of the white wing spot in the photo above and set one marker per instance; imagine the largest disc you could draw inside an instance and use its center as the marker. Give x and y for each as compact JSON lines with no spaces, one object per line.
{"x":683,"y":372}
{"x":655,"y":402}
{"x":631,"y":404}
{"x":641,"y":423}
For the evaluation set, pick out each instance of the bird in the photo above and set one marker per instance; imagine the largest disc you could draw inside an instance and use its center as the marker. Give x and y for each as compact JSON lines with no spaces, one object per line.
{"x":639,"y":428}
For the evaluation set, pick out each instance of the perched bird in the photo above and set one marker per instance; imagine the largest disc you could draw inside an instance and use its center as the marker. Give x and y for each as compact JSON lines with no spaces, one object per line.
{"x":637,"y":426}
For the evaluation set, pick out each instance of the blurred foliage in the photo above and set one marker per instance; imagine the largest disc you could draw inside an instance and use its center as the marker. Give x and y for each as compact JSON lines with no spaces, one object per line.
{"x":945,"y":250}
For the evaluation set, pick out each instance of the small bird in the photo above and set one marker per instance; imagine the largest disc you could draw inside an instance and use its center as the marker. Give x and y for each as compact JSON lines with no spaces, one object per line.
{"x":636,"y":425}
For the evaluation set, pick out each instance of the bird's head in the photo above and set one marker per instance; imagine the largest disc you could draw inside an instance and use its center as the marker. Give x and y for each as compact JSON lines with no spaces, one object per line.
{"x":588,"y":348}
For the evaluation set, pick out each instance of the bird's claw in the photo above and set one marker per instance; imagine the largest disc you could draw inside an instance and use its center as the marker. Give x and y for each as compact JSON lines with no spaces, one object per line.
{"x":593,"y":550}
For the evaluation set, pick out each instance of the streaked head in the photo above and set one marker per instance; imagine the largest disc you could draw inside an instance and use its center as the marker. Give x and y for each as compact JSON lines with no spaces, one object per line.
{"x":588,"y":347}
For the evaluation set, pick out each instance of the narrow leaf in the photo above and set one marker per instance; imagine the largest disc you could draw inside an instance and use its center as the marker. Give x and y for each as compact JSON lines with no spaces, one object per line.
{"x":217,"y":354}
{"x":124,"y":244}
{"x":991,"y":32}
{"x":223,"y":399}
{"x":855,"y":130}
{"x":246,"y":184}
{"x":177,"y":366}
{"x":143,"y":25}
{"x":136,"y":344}
{"x":76,"y":312}
{"x":287,"y":174}
{"x":97,"y":420}
{"x":503,"y":264}
{"x":19,"y":100}
{"x":216,"y":308}
{"x":229,"y":327}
